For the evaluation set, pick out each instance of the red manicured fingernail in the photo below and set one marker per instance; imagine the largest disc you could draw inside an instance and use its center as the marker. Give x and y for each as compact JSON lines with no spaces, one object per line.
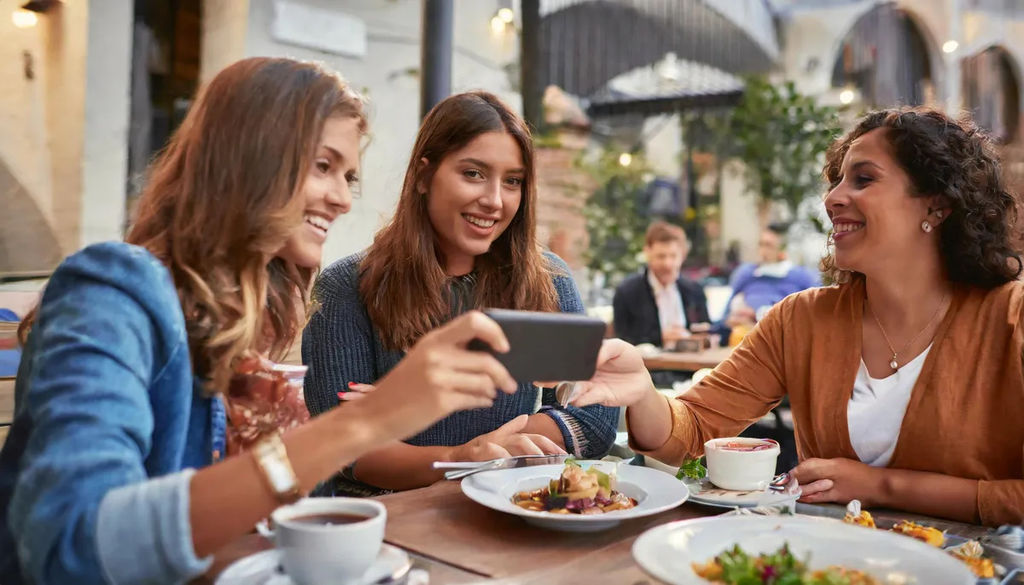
{"x":351,"y":384}
{"x":341,"y":395}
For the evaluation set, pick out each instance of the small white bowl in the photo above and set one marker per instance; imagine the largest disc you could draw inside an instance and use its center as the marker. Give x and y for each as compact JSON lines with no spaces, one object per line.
{"x":732,"y":466}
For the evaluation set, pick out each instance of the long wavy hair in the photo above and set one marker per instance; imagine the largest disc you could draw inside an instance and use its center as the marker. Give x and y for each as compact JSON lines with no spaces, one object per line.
{"x":979,"y":240}
{"x":225,"y":195}
{"x":402,"y":280}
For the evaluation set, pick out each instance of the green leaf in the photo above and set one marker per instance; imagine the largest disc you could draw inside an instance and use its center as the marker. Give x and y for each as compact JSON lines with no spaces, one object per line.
{"x":693,"y":469}
{"x":603,"y":479}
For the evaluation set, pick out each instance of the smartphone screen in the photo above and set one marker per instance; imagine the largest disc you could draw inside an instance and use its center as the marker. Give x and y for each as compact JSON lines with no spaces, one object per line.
{"x":546,"y":347}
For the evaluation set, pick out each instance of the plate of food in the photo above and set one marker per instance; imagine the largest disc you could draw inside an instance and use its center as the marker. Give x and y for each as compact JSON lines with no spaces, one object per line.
{"x":731,"y":550}
{"x":580,"y":496}
{"x":971,"y":553}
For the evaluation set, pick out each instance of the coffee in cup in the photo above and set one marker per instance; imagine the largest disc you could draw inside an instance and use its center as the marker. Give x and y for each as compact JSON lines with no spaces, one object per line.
{"x":329,"y":540}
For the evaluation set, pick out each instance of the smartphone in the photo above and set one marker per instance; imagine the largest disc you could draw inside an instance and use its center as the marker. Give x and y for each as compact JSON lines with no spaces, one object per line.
{"x":547,"y":347}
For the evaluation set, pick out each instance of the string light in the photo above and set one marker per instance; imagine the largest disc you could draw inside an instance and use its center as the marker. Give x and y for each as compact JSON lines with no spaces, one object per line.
{"x":950,"y":46}
{"x":506,"y":15}
{"x":24,"y":18}
{"x":846,"y":97}
{"x":625,"y":159}
{"x":497,"y":25}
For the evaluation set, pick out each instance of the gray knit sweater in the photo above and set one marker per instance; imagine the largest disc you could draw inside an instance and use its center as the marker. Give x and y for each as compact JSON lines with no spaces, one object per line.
{"x":341,"y":345}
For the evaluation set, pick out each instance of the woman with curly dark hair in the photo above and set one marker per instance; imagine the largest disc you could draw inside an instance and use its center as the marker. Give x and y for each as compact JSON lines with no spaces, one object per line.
{"x":905,"y":378}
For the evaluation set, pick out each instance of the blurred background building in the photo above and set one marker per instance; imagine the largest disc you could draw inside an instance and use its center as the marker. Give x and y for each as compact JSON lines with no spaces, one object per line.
{"x":629,"y":99}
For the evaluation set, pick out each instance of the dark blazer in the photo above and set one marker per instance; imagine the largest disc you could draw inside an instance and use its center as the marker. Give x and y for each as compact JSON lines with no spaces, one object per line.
{"x":636,"y":311}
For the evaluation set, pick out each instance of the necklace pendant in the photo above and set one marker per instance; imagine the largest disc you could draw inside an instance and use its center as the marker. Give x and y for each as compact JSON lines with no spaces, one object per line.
{"x":895,"y":365}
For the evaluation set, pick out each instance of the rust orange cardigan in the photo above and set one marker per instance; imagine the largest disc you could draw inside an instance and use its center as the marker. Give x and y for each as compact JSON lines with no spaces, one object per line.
{"x":966,"y":412}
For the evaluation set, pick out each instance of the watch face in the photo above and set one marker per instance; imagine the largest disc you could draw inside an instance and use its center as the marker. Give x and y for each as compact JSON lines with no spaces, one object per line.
{"x":279,"y":474}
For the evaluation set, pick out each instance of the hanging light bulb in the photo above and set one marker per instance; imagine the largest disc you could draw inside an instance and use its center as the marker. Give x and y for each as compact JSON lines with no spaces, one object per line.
{"x":625,"y":159}
{"x":506,"y":15}
{"x":24,"y":18}
{"x":846,"y":97}
{"x":950,"y":46}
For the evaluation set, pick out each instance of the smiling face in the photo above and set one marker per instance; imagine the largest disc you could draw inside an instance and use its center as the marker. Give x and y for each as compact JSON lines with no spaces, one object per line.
{"x":875,"y":218}
{"x":473,"y":196}
{"x":326,"y":189}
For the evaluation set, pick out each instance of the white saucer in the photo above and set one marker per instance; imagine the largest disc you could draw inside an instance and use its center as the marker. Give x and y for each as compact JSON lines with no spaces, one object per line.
{"x":262,"y":568}
{"x":704,"y":492}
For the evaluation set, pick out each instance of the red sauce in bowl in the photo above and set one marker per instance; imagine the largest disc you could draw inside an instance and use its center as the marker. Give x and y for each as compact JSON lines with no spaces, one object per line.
{"x":744,"y":446}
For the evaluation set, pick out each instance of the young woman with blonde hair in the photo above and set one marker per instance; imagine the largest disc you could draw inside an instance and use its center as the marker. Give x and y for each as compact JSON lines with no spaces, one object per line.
{"x":122,"y":389}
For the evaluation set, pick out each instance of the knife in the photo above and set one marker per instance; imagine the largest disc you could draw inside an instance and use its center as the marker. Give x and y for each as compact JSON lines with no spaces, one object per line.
{"x":467,"y":468}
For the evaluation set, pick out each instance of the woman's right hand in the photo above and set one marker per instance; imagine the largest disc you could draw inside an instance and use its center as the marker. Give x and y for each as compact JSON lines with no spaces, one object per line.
{"x":439,"y":376}
{"x":621,"y":378}
{"x":508,"y":440}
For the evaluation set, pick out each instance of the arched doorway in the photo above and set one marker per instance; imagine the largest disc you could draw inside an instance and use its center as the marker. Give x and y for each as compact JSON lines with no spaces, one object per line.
{"x":991,"y":92}
{"x":885,"y":56}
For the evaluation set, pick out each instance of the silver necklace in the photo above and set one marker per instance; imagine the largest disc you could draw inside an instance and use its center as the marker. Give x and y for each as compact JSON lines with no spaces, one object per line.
{"x":894,"y":362}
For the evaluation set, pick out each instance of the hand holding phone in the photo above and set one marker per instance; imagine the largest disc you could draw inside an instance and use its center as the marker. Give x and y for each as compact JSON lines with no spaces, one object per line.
{"x":547,"y":346}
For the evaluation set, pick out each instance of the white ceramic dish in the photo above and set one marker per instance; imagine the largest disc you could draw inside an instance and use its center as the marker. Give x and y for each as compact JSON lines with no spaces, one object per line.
{"x":262,"y":568}
{"x":741,"y":470}
{"x":653,"y":490}
{"x":667,"y":551}
{"x":704,"y":492}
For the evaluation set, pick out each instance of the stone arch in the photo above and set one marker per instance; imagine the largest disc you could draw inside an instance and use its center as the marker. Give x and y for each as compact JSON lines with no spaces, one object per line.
{"x":27,"y":243}
{"x":636,"y":34}
{"x":888,"y":55}
{"x":992,"y":92}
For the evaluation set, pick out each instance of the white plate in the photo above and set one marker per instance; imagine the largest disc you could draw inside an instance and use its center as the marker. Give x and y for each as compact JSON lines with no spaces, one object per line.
{"x":666,"y":551}
{"x":262,"y":568}
{"x":704,"y":492}
{"x":653,"y":490}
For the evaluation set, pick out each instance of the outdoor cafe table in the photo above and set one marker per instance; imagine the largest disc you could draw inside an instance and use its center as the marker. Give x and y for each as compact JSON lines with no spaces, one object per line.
{"x":458,"y":541}
{"x":687,"y":361}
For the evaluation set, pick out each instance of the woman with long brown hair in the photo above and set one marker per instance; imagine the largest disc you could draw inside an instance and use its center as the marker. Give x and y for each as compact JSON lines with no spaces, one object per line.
{"x":136,"y":349}
{"x":463,"y":237}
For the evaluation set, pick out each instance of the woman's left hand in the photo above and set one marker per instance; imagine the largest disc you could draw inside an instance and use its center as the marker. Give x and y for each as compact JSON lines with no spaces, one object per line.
{"x":356,"y":391}
{"x":838,"y":480}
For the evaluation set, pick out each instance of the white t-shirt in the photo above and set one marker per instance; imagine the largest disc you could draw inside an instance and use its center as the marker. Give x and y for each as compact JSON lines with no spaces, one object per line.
{"x":876,"y":409}
{"x":670,"y":303}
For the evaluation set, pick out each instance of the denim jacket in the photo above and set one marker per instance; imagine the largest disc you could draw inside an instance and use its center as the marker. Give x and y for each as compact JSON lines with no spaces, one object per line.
{"x":109,"y":422}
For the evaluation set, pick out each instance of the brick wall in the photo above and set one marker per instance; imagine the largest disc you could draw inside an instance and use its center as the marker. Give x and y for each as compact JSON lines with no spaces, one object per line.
{"x":562,"y":190}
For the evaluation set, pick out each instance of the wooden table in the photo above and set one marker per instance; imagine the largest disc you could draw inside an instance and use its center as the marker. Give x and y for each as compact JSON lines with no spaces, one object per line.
{"x":458,"y":541}
{"x":441,"y":524}
{"x":687,"y":361}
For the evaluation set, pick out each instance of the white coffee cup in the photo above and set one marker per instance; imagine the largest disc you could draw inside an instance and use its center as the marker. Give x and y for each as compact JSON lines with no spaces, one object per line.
{"x":733,"y":464}
{"x":328,"y":540}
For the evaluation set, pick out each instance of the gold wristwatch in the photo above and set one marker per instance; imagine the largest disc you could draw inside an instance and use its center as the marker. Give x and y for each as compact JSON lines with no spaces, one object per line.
{"x":272,"y":459}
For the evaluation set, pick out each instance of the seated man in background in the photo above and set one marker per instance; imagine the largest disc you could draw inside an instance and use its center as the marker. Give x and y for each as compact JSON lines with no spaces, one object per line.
{"x":756,"y":287}
{"x":658,"y":305}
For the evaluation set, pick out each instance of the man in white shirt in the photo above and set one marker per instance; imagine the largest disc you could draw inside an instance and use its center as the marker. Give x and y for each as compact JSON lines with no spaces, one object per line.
{"x":659,"y":305}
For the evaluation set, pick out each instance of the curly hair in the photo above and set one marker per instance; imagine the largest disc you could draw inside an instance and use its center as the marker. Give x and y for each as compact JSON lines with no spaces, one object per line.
{"x":978,"y":240}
